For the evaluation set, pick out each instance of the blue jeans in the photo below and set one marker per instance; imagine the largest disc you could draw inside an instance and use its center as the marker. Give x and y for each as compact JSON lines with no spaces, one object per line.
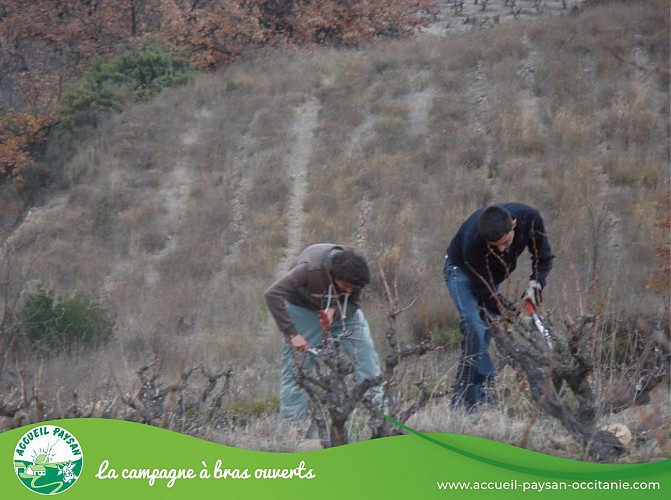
{"x":359,"y":346}
{"x":476,"y":370}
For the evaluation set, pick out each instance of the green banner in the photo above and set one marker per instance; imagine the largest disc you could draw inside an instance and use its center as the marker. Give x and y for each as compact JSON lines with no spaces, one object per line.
{"x":111,"y":459}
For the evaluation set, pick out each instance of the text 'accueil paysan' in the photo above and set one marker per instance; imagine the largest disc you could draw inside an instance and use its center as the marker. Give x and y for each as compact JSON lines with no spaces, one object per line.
{"x":48,"y":459}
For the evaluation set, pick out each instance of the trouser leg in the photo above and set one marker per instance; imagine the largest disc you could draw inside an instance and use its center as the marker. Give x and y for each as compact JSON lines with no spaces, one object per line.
{"x":476,"y":369}
{"x":360,"y":347}
{"x":293,"y":399}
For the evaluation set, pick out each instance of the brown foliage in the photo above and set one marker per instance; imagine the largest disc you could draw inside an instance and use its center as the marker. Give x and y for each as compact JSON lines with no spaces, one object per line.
{"x":42,"y":38}
{"x":214,"y":33}
{"x":46,"y":43}
{"x":352,"y":22}
{"x":20,"y":134}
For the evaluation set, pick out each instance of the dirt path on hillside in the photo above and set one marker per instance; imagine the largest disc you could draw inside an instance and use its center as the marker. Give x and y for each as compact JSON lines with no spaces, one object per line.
{"x":479,"y":95}
{"x":175,"y":192}
{"x":173,"y":195}
{"x":246,"y":158}
{"x":419,"y":102}
{"x":297,"y":161}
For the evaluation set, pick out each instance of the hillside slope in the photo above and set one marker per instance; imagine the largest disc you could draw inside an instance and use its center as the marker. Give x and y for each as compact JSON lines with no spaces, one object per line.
{"x":180,"y":212}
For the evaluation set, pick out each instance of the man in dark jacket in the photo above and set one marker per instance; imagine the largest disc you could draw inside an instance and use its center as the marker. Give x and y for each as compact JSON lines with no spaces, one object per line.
{"x":321,"y":293}
{"x":481,"y":255}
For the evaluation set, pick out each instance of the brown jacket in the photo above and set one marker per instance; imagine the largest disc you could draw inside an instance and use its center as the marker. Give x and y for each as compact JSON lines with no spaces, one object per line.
{"x":306,"y":284}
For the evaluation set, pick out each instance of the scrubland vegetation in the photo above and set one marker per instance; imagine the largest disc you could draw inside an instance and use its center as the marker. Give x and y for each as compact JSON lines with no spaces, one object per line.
{"x":173,"y":217}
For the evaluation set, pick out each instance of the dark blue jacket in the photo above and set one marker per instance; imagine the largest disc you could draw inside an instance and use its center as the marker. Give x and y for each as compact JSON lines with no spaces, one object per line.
{"x":486,"y":267}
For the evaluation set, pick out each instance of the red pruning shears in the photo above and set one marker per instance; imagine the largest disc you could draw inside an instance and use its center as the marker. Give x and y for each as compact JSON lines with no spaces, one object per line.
{"x":531,"y":309}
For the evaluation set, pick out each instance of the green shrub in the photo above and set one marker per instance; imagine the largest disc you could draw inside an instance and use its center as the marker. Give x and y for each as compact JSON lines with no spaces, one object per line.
{"x":46,"y":326}
{"x":92,"y":98}
{"x":152,"y":67}
{"x":137,"y":75}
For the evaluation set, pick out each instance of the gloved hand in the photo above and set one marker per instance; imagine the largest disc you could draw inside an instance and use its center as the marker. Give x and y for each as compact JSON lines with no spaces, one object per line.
{"x":534,"y":293}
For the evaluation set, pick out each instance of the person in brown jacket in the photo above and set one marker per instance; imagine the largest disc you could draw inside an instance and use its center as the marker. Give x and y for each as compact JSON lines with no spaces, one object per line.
{"x":321,"y":293}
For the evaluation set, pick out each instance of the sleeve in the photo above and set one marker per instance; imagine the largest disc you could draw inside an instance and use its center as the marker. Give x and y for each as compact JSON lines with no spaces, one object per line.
{"x":278,"y":292}
{"x":541,"y":252}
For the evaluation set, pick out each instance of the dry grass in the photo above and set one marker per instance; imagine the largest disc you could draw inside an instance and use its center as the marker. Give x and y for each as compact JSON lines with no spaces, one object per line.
{"x":174,"y":212}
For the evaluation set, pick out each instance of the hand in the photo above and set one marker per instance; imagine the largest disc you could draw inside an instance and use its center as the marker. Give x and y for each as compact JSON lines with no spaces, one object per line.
{"x":326,"y":318}
{"x":534,"y":293}
{"x":299,"y":343}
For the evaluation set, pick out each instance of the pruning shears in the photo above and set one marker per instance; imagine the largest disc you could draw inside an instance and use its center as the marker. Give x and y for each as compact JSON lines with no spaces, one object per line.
{"x":538,"y":322}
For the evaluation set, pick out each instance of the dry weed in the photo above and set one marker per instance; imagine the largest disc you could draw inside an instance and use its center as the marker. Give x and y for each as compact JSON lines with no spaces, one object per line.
{"x":175,"y":210}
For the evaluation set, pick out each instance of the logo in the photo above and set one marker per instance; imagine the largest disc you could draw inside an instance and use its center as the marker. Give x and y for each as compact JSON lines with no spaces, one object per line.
{"x":48,"y":460}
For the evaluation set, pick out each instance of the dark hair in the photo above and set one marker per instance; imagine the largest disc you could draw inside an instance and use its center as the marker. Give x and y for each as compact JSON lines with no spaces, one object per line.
{"x":351,"y":267}
{"x":494,"y":223}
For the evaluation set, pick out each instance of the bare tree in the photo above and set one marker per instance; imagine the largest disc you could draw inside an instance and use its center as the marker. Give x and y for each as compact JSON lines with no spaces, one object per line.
{"x":382,"y":419}
{"x":333,"y":398}
{"x":559,"y":378}
{"x":155,"y":403}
